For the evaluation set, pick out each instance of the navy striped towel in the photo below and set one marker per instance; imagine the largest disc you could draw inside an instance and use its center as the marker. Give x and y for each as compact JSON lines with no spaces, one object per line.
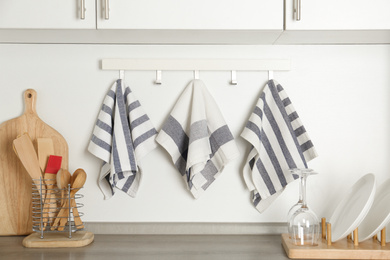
{"x":197,"y":138}
{"x":122,"y":136}
{"x":280,"y":142}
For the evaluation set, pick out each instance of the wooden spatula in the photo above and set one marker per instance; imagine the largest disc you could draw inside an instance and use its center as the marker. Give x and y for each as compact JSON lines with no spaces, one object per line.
{"x":53,"y":165}
{"x":24,"y":149}
{"x":45,"y":149}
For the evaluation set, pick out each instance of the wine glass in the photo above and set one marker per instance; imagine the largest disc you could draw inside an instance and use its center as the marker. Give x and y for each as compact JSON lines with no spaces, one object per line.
{"x":297,"y":205}
{"x":303,"y":224}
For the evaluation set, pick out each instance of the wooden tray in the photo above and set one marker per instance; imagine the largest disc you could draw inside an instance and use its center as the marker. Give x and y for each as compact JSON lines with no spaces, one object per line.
{"x":343,"y":249}
{"x":58,"y":239}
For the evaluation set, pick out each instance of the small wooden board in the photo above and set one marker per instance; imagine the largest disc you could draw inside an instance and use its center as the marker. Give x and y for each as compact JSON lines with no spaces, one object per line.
{"x":58,"y":239}
{"x":343,"y":249}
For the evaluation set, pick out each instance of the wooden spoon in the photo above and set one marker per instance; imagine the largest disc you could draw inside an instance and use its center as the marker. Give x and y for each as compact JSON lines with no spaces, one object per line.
{"x":81,"y":178}
{"x":77,"y":182}
{"x":63,"y":179}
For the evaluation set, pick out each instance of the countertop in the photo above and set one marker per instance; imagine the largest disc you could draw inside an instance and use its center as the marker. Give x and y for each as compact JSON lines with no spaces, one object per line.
{"x":160,"y":247}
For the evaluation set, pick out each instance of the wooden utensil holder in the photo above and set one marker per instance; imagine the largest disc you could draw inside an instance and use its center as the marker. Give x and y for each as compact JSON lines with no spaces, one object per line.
{"x":347,"y":248}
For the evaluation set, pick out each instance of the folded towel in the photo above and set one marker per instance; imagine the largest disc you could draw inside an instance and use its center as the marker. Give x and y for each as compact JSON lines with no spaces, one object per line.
{"x":197,"y":138}
{"x":280,"y":142}
{"x":122,"y":136}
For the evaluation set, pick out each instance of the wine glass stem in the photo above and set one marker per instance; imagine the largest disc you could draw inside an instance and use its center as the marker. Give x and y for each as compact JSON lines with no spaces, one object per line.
{"x":300,"y":190}
{"x":304,"y":202}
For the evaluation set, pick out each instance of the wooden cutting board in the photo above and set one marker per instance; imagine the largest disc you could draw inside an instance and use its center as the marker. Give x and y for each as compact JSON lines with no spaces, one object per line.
{"x":15,"y":183}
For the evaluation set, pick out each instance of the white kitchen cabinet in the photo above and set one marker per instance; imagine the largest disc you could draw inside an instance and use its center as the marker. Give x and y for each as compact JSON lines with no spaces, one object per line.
{"x":333,"y":21}
{"x":191,"y":14}
{"x":195,"y":22}
{"x":340,"y":15}
{"x":46,"y":14}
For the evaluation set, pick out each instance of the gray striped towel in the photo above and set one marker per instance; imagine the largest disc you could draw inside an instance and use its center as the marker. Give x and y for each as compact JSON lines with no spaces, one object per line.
{"x":122,"y":136}
{"x":197,"y":138}
{"x":279,"y":143}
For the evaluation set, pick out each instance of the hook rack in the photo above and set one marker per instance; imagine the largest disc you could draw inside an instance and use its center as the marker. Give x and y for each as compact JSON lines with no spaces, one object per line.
{"x":196,"y":65}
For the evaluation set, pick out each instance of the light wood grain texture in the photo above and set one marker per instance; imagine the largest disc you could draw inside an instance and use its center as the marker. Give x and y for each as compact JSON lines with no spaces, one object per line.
{"x":323,"y":227}
{"x":342,"y":249}
{"x":26,"y":153}
{"x":78,"y":179}
{"x":356,"y":237}
{"x":50,"y":179}
{"x":45,"y":149}
{"x":383,"y":236}
{"x":57,"y":239}
{"x":329,"y":234}
{"x":50,"y":200}
{"x":15,"y":183}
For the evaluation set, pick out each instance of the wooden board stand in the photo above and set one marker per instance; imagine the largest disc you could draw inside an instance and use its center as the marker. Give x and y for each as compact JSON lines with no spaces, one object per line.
{"x":347,"y":248}
{"x":58,"y":239}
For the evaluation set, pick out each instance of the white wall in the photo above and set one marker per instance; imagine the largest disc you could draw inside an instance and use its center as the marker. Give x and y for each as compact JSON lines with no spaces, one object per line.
{"x":341,"y":93}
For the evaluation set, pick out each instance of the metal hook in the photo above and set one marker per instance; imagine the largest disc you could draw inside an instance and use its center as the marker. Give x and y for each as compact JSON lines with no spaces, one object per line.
{"x":270,"y":74}
{"x":196,"y":74}
{"x":234,"y":78}
{"x":122,"y":74}
{"x":158,"y":77}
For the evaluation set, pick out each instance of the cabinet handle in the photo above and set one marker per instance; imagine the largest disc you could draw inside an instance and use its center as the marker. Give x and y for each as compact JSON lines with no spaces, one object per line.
{"x":106,"y":9}
{"x":297,"y":10}
{"x":82,"y":9}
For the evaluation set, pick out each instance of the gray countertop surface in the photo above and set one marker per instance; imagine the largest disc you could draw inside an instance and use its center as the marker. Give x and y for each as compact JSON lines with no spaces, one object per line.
{"x":110,"y":247}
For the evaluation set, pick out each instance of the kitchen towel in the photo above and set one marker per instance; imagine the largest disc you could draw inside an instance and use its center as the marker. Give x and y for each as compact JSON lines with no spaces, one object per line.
{"x":279,"y":143}
{"x":122,"y":136}
{"x":197,"y":138}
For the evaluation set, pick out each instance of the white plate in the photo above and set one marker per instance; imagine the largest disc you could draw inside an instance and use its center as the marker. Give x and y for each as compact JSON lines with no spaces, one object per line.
{"x":379,"y":215}
{"x":353,"y":208}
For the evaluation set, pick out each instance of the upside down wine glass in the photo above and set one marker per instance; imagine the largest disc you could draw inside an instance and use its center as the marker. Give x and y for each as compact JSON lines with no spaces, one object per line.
{"x":297,"y":205}
{"x":303,"y":224}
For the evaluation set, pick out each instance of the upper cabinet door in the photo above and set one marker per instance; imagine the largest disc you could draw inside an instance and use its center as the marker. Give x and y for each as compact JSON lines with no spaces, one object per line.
{"x":339,"y":15}
{"x":190,"y":14}
{"x":47,"y":14}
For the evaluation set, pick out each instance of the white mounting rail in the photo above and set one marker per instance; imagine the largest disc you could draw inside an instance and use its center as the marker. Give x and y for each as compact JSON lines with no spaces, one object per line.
{"x":195,"y":64}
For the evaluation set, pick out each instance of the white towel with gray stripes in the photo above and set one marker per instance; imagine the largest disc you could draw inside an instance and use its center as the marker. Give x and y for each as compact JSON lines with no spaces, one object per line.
{"x":197,"y":138}
{"x":279,"y":142}
{"x":122,"y":136}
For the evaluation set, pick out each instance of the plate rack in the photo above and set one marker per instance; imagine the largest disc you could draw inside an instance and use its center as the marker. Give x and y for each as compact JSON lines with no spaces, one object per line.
{"x":346,"y":248}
